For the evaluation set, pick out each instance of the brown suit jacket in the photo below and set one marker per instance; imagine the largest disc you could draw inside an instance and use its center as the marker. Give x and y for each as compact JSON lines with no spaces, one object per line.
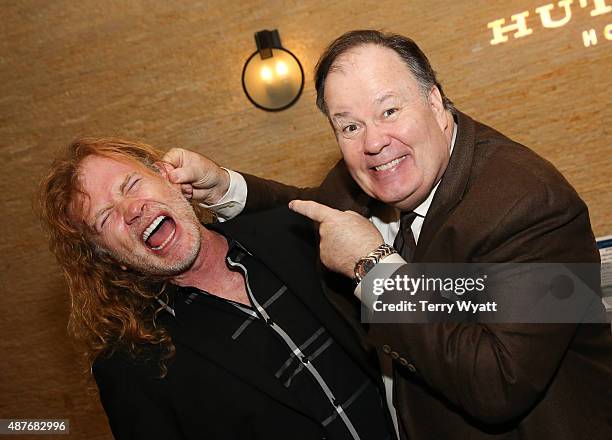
{"x":498,"y":202}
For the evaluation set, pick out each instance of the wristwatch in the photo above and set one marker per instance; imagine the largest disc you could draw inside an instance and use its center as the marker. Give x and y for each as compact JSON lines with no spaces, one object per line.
{"x":365,"y":264}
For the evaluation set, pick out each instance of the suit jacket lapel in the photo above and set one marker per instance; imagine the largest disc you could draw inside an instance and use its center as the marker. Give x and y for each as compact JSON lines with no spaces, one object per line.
{"x":453,"y":184}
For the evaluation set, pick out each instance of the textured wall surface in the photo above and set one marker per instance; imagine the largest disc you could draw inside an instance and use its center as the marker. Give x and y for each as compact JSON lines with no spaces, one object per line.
{"x":168,"y":73}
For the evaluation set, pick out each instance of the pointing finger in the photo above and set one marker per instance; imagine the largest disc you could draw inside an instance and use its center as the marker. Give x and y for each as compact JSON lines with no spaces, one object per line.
{"x":313,"y":210}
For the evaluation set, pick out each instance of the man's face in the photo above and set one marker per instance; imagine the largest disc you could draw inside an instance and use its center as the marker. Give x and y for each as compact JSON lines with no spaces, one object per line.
{"x":394,"y":139}
{"x":138,"y":216}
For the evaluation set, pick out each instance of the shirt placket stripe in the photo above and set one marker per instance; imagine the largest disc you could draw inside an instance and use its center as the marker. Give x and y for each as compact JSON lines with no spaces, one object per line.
{"x":296,"y":350}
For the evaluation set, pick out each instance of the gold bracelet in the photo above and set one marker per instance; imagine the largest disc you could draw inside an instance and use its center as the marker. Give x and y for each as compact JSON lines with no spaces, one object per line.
{"x":365,"y":264}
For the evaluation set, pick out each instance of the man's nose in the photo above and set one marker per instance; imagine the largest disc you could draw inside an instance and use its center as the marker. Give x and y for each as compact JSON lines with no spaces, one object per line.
{"x":376,"y":139}
{"x":132,"y":210}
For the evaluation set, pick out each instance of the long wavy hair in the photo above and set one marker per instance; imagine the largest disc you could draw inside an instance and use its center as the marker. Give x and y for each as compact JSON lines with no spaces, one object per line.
{"x":111,"y":308}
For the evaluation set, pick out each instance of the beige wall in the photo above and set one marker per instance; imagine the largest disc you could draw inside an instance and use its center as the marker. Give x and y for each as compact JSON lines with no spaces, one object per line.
{"x":168,"y":73}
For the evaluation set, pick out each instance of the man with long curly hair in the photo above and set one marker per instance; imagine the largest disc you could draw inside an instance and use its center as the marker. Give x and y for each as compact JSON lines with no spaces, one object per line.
{"x":221,"y":331}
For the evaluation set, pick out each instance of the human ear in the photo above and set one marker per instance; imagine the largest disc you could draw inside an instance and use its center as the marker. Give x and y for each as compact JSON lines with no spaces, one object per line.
{"x":164,"y":169}
{"x":437,"y":106}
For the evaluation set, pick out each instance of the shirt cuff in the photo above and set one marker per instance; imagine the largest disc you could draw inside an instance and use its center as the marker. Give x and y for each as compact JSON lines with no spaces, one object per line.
{"x":233,"y":201}
{"x":383,"y":271}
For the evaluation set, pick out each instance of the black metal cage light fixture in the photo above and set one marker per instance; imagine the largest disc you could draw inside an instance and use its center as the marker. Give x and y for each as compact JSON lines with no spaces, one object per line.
{"x":272,"y":78}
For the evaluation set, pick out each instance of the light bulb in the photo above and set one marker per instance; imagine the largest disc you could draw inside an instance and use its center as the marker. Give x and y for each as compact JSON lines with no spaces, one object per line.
{"x":266,"y":74}
{"x":281,"y":68}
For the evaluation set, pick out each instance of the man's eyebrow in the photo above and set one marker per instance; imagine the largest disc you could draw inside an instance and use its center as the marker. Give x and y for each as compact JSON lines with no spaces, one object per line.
{"x":383,"y":98}
{"x":125,"y":182}
{"x":340,"y":115}
{"x":377,"y":101}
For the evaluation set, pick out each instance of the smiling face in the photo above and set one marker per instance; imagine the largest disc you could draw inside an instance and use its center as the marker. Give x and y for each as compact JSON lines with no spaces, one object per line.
{"x":394,"y":138}
{"x":137,"y":216}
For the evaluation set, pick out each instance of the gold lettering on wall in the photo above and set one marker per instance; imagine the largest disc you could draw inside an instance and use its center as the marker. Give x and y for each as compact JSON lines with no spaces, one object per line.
{"x":520,"y":25}
{"x":600,"y":7}
{"x":608,"y":32}
{"x":563,"y":16}
{"x":547,"y":21}
{"x":589,"y":37}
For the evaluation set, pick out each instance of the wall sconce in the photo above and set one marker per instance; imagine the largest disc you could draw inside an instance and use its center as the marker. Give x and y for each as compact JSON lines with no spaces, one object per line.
{"x":272,"y":77}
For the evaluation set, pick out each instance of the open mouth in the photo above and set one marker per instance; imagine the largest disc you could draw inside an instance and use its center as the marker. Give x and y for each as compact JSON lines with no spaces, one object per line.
{"x":159,"y":233}
{"x":391,"y":164}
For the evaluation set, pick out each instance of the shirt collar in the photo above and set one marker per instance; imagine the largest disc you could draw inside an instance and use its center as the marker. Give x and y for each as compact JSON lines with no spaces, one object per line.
{"x":235,"y":251}
{"x":422,"y":209}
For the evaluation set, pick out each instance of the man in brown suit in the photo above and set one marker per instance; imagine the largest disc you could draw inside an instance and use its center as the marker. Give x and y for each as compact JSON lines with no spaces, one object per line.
{"x":471,"y":195}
